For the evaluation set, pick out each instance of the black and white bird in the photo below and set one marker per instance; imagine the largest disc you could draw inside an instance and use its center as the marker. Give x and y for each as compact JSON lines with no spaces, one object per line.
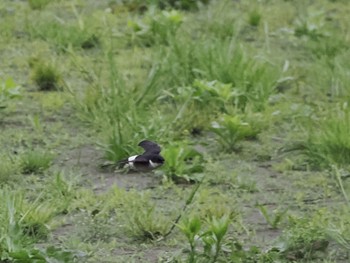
{"x":149,"y":160}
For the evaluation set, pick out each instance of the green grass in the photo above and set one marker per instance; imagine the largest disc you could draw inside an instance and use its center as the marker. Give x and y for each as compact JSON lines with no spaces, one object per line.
{"x":64,"y":37}
{"x":46,"y":77}
{"x":38,"y":4}
{"x":35,"y":161}
{"x":248,"y":100}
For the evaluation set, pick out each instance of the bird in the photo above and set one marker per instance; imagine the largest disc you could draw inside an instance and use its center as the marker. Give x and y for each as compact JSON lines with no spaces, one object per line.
{"x":149,"y":160}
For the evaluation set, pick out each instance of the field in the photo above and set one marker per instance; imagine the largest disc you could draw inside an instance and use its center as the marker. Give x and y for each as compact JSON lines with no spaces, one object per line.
{"x":248,"y":99}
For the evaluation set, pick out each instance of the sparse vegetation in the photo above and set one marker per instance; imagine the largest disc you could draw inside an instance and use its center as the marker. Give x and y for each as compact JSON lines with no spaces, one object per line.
{"x":248,"y":100}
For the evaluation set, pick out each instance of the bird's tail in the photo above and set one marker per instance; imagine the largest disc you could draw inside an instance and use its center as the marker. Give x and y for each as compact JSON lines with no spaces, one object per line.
{"x":120,"y":164}
{"x":110,"y":164}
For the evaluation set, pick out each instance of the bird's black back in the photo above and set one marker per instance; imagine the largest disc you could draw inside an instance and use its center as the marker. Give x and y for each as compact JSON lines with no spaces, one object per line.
{"x":150,"y":147}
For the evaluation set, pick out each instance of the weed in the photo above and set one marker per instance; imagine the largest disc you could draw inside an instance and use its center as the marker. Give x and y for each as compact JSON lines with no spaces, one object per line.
{"x":38,"y":4}
{"x":64,"y":37}
{"x":146,"y":223}
{"x":100,"y":227}
{"x":9,"y":90}
{"x":155,"y":28}
{"x":190,"y":227}
{"x":333,"y":80}
{"x":50,"y":254}
{"x":225,"y":62}
{"x":211,"y":239}
{"x":62,"y":191}
{"x":224,"y":28}
{"x":310,"y":24}
{"x":254,"y":18}
{"x":46,"y":77}
{"x":23,"y":223}
{"x":183,"y":162}
{"x":274,"y":220}
{"x":35,"y":161}
{"x":331,"y":143}
{"x":141,"y":218}
{"x":209,"y":206}
{"x":121,"y":113}
{"x":232,"y":129}
{"x":9,"y":170}
{"x":53,"y":102}
{"x":304,"y":238}
{"x":339,"y":179}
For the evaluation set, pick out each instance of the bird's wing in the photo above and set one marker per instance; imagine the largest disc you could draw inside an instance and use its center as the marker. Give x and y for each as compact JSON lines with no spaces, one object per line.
{"x":150,"y":147}
{"x":141,"y":159}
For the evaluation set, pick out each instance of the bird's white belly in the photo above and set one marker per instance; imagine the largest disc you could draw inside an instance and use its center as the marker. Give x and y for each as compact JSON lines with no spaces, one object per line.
{"x":154,"y":165}
{"x":130,"y":163}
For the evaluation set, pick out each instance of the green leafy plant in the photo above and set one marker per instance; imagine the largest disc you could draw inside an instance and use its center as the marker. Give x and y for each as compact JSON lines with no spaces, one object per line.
{"x":305,"y":29}
{"x":23,"y":223}
{"x":191,"y":227}
{"x":232,"y":129}
{"x":50,"y":254}
{"x":304,"y":238}
{"x":35,"y":161}
{"x":277,"y":217}
{"x":211,"y":238}
{"x":146,"y":223}
{"x":182,"y":162}
{"x":155,"y":28}
{"x":252,"y":81}
{"x":9,"y":90}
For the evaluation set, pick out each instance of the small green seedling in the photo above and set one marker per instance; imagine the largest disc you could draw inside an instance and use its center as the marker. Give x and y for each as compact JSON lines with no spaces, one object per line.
{"x":211,"y":239}
{"x":275,"y":219}
{"x":9,"y":90}
{"x":190,"y":227}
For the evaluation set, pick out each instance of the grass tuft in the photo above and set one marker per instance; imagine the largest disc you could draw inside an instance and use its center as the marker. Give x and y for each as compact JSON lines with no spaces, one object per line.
{"x":254,"y":18}
{"x":38,"y":4}
{"x":35,"y":161}
{"x":46,"y":77}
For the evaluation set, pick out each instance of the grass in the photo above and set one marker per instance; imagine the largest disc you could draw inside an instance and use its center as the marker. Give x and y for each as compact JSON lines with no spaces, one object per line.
{"x":46,"y":77}
{"x":248,"y":101}
{"x":38,"y":4}
{"x":9,"y":170}
{"x":35,"y":161}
